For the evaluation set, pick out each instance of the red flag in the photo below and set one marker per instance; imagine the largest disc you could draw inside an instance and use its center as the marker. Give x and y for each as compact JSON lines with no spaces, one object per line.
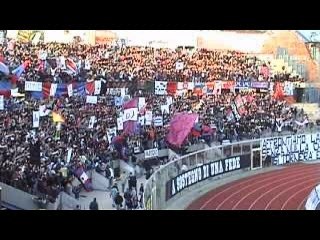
{"x":171,"y":88}
{"x":278,"y":93}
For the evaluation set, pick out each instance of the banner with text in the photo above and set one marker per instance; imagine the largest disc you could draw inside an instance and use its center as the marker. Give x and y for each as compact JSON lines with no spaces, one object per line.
{"x":292,"y":148}
{"x":204,"y":172}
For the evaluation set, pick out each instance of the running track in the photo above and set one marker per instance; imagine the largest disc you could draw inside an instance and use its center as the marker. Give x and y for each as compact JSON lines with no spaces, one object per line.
{"x":283,"y":189}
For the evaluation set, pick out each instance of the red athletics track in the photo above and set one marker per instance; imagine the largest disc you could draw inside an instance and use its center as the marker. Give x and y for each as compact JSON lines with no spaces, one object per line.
{"x":283,"y":189}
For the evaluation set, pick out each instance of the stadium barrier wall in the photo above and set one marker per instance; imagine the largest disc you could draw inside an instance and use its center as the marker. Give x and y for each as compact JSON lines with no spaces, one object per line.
{"x":171,"y":181}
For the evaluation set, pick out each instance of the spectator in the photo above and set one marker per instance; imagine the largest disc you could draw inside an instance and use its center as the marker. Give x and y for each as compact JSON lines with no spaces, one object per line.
{"x":94,"y":205}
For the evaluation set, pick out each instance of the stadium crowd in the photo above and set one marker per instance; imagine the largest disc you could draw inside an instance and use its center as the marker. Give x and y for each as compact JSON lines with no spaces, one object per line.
{"x":258,"y":112}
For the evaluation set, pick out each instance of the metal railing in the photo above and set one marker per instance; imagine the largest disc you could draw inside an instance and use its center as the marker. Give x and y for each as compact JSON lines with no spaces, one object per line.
{"x":155,"y":188}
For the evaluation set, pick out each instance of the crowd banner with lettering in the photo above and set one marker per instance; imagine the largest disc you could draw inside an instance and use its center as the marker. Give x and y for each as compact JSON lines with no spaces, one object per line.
{"x":1,"y":102}
{"x":151,"y":153}
{"x":294,"y":148}
{"x":228,"y":85}
{"x":130,"y":114}
{"x":160,"y":88}
{"x":262,"y":85}
{"x":299,"y":84}
{"x":33,"y":86}
{"x":242,"y":84}
{"x":92,"y":99}
{"x":158,"y":121}
{"x":204,"y":172}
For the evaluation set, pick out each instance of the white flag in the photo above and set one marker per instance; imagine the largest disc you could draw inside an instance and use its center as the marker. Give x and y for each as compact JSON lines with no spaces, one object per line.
{"x":1,"y":102}
{"x":179,"y":65}
{"x":142,"y":102}
{"x":84,"y":177}
{"x":142,"y":120}
{"x":43,"y":111}
{"x":53,"y":89}
{"x":92,"y":99}
{"x":69,"y":155}
{"x":36,"y":119}
{"x":70,"y":90}
{"x":148,"y":117}
{"x":87,"y":65}
{"x":62,"y":62}
{"x":92,"y":121}
{"x":97,"y":87}
{"x":120,"y":123}
{"x":165,"y":109}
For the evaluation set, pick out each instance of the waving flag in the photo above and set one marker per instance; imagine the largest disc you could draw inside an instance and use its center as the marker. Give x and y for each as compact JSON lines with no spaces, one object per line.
{"x":84,"y":179}
{"x":79,"y":89}
{"x":4,"y":68}
{"x":71,"y":65}
{"x":180,"y":127}
{"x":90,"y":88}
{"x":19,"y":70}
{"x":56,"y":117}
{"x":130,"y":127}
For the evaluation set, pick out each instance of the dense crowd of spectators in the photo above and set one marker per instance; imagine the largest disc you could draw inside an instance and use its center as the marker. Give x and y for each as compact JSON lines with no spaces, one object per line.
{"x":124,"y":67}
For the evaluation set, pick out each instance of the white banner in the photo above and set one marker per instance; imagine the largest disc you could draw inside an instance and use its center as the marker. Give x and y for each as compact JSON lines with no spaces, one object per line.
{"x":148,"y":118}
{"x":169,"y":100}
{"x":62,"y":61}
{"x":1,"y":102}
{"x":87,"y":65}
{"x":69,"y":155}
{"x":123,"y":92}
{"x":92,"y":121}
{"x":130,"y":114}
{"x":142,"y":102}
{"x":111,"y":132}
{"x":141,"y":120}
{"x":97,"y":87}
{"x":43,"y":111}
{"x":160,"y":88}
{"x":70,"y":90}
{"x":292,"y":148}
{"x":165,"y":109}
{"x":179,"y":65}
{"x":158,"y":121}
{"x":36,"y":119}
{"x":92,"y":99}
{"x":53,"y":89}
{"x":151,"y":153}
{"x":119,"y":123}
{"x":288,"y":88}
{"x":33,"y":86}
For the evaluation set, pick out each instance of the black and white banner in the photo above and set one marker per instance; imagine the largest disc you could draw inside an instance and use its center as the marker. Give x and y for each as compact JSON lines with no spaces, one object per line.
{"x":151,"y":153}
{"x":292,"y":148}
{"x":36,"y":119}
{"x":160,"y":88}
{"x":33,"y":86}
{"x":204,"y":172}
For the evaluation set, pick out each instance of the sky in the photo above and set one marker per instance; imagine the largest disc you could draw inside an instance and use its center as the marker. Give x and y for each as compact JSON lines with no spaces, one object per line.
{"x":307,"y":34}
